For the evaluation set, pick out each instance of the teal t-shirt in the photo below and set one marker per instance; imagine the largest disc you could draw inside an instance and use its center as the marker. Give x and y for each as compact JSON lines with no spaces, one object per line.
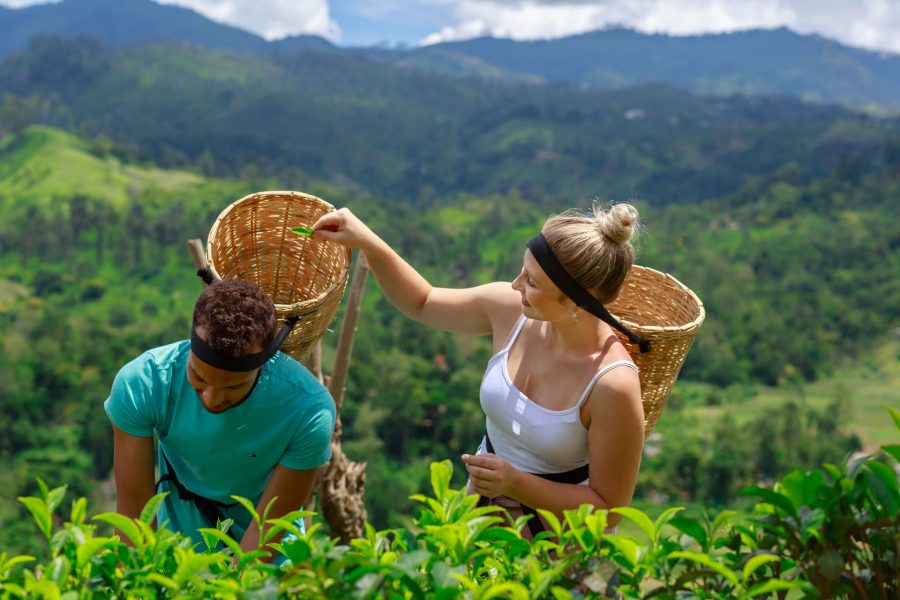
{"x":288,"y":420}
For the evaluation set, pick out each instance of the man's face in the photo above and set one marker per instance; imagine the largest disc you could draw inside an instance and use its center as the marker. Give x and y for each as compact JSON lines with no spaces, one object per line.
{"x":219,"y":390}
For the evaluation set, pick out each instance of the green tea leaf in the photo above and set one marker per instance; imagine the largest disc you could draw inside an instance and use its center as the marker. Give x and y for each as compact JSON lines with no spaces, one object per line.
{"x":440,"y":478}
{"x":225,"y":539}
{"x":639,"y":518}
{"x":693,"y":528}
{"x":55,"y":498}
{"x":303,"y":231}
{"x":893,"y":450}
{"x":7,"y":565}
{"x":773,"y":585}
{"x":38,"y":510}
{"x":152,"y":507}
{"x":125,"y":525}
{"x":896,"y":415}
{"x":706,"y":561}
{"x":88,"y":549}
{"x":79,"y":511}
{"x":163,"y":581}
{"x":772,"y":497}
{"x":755,"y":562}
{"x":247,"y":504}
{"x":666,"y":516}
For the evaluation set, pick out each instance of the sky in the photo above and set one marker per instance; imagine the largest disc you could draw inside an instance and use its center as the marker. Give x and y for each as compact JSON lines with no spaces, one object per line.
{"x":871,"y":24}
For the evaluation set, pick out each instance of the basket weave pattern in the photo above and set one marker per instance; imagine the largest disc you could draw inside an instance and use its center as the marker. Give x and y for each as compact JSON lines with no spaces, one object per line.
{"x":661,"y":309}
{"x":252,"y":240}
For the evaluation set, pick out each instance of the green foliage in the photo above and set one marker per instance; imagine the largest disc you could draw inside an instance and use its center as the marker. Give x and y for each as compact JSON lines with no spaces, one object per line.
{"x":412,"y":136}
{"x":825,"y":533}
{"x":91,"y":279}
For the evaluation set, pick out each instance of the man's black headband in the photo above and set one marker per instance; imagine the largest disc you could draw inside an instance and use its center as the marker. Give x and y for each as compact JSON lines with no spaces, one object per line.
{"x":248,"y":362}
{"x":542,"y":253}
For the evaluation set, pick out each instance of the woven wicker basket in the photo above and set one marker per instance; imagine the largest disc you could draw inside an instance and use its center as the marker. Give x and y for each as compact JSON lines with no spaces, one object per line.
{"x":661,"y":309}
{"x":252,"y":240}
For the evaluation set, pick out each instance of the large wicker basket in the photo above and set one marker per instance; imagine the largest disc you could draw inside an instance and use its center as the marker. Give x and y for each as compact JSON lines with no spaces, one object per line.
{"x":252,"y":240}
{"x":661,"y":309}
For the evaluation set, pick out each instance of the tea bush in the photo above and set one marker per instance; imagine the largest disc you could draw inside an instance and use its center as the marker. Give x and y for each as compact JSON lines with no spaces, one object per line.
{"x":832,"y":532}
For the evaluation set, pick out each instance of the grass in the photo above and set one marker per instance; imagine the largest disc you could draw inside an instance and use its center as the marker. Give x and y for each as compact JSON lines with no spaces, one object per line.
{"x":870,"y":386}
{"x":48,"y":165}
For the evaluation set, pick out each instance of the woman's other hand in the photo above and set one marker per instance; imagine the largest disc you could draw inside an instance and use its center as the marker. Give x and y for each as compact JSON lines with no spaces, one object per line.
{"x":345,"y":228}
{"x":490,"y":475}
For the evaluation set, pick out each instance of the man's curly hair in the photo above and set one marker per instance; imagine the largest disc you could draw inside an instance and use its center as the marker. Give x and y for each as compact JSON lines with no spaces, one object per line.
{"x":237,"y":316}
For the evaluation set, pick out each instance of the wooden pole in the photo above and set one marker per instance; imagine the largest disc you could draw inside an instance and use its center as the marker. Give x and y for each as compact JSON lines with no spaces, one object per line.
{"x":348,"y":329}
{"x":195,"y":247}
{"x":342,"y":487}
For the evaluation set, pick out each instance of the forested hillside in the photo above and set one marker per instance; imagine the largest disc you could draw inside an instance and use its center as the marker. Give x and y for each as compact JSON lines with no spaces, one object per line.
{"x":409,"y":136}
{"x":754,"y":62}
{"x":798,"y":276}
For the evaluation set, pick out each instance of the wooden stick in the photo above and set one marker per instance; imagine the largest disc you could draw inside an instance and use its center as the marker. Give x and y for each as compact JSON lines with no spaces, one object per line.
{"x":195,"y":247}
{"x":348,"y":329}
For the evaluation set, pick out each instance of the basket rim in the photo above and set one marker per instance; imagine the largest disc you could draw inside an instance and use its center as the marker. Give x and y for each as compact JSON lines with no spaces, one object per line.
{"x":279,"y":308}
{"x":684,"y":328}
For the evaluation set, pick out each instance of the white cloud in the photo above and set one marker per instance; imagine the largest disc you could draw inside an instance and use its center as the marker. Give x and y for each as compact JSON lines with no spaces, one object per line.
{"x":868,"y":23}
{"x":23,"y":3}
{"x":272,"y":19}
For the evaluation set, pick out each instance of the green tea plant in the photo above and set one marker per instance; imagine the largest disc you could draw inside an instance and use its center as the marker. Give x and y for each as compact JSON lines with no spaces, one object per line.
{"x":827,"y":533}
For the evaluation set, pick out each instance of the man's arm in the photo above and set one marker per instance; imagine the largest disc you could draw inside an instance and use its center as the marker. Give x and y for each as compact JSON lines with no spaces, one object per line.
{"x":133,"y":470}
{"x":291,"y":488}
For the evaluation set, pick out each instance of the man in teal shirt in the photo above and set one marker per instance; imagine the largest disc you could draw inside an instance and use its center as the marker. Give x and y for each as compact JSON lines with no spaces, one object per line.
{"x":232,"y":415}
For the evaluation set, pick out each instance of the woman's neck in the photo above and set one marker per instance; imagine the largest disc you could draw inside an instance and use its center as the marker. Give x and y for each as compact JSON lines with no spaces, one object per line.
{"x":581,"y":338}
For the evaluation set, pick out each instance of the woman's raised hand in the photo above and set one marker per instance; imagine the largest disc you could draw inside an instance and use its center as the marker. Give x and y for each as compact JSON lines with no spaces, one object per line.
{"x":343,"y":227}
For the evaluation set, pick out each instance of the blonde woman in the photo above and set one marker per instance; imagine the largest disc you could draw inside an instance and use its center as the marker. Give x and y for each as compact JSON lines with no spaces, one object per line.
{"x":561,"y":395}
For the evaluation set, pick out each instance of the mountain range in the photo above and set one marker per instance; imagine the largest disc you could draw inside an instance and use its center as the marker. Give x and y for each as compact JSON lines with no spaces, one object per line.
{"x":778,"y":61}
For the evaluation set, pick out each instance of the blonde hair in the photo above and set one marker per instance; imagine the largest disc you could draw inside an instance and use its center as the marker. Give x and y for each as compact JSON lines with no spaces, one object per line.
{"x":595,"y":249}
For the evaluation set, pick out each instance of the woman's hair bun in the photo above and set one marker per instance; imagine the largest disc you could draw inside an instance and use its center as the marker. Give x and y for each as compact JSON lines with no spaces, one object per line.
{"x":617,"y":223}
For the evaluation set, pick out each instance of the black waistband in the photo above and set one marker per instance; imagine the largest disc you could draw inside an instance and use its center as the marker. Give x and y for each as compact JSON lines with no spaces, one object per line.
{"x":575,"y":476}
{"x":212,"y":510}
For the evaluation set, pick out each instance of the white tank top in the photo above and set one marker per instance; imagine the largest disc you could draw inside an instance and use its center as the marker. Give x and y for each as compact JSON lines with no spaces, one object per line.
{"x":530,"y":437}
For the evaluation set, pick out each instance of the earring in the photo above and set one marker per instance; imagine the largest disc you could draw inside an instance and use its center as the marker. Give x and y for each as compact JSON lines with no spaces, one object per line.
{"x":574,"y":316}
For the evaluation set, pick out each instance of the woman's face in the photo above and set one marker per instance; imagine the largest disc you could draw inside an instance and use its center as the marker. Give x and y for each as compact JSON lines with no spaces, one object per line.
{"x":218,"y":390}
{"x":541,"y":299}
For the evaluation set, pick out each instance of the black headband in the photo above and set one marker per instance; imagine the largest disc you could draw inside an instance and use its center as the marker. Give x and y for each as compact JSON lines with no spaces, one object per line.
{"x":542,"y":253}
{"x":248,"y":362}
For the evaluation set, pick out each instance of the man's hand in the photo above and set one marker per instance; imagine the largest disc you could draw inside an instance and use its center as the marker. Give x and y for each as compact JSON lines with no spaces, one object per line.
{"x":491,"y":476}
{"x":290,"y":488}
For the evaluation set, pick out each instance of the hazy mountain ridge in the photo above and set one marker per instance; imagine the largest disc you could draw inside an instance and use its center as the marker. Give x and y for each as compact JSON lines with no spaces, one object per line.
{"x":775,"y":61}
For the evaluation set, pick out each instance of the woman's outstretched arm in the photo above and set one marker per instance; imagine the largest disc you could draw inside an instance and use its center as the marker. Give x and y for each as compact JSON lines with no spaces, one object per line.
{"x":471,"y":311}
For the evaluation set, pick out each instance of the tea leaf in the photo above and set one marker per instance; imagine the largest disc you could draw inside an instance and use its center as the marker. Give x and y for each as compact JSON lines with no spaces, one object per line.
{"x":755,"y":562}
{"x":88,"y":549}
{"x":896,"y":415}
{"x":79,"y":511}
{"x":303,"y":231}
{"x":639,"y":518}
{"x":772,"y":497}
{"x":706,"y":561}
{"x":773,"y":585}
{"x":125,"y":525}
{"x":152,"y":507}
{"x":693,"y":528}
{"x":38,"y":510}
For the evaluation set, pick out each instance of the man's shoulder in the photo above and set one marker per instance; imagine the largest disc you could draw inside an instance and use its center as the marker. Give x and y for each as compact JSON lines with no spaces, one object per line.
{"x":155,"y":363}
{"x":293,"y":376}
